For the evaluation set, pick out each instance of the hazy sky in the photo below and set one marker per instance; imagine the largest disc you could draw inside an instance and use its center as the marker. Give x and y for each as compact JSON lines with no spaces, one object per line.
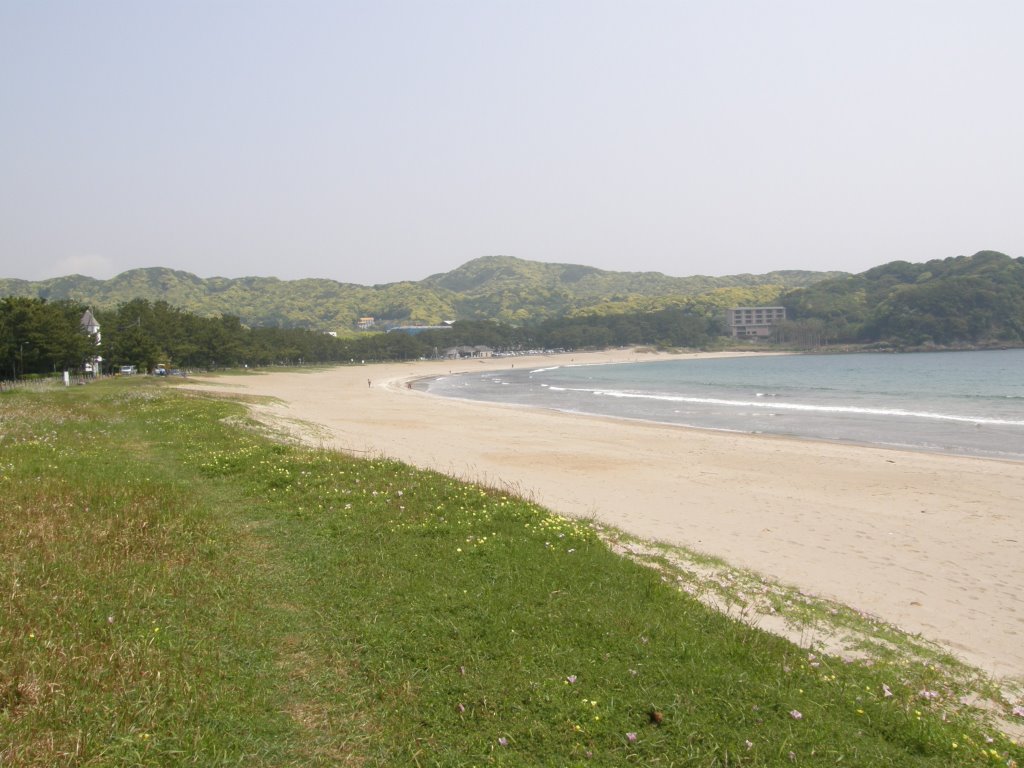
{"x":377,"y":141}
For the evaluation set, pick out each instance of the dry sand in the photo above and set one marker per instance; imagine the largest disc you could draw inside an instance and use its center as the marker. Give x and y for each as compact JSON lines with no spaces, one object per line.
{"x":930,"y":543}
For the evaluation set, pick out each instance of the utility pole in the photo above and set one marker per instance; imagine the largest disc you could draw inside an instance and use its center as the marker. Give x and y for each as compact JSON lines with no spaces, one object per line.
{"x":21,"y":358}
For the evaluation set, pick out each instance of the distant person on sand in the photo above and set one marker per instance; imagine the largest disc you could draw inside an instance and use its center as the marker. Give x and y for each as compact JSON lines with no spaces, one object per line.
{"x":368,"y":383}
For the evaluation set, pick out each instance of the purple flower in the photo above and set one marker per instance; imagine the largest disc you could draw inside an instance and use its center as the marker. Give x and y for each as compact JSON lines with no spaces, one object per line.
{"x":570,"y":679}
{"x":631,"y":736}
{"x":796,"y":714}
{"x":503,"y":741}
{"x":885,"y":691}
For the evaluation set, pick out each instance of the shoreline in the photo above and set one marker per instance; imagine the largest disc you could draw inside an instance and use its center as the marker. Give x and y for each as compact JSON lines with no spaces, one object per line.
{"x":419,"y":383}
{"x":725,"y":431}
{"x":927,"y":542}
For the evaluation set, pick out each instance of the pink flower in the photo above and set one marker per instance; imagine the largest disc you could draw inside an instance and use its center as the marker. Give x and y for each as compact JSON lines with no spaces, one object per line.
{"x":503,"y":741}
{"x":631,"y":736}
{"x":885,"y":691}
{"x":570,"y":679}
{"x":796,"y":714}
{"x":1018,"y":711}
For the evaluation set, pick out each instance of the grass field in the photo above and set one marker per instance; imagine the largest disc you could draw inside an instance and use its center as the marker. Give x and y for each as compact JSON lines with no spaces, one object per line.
{"x":178,"y":589}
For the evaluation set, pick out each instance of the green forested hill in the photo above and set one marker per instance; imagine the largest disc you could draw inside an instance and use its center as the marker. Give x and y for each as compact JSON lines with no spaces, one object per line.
{"x":961,"y":300}
{"x":507,"y":303}
{"x":965,"y":299}
{"x":500,"y":288}
{"x":518,"y":291}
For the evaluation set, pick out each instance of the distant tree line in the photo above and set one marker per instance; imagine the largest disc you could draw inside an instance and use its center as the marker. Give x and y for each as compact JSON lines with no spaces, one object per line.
{"x":977,"y":300}
{"x":40,"y":337}
{"x":665,"y":328}
{"x":37,"y":336}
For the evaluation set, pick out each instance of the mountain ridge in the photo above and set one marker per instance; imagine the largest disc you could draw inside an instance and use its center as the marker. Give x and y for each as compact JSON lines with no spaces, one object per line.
{"x":502,"y":288}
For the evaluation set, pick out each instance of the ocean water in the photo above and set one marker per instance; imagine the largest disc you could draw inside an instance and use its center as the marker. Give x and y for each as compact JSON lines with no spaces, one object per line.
{"x":964,"y":403}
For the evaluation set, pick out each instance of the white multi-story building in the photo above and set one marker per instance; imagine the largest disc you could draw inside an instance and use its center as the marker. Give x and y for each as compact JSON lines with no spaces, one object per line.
{"x":753,"y":322}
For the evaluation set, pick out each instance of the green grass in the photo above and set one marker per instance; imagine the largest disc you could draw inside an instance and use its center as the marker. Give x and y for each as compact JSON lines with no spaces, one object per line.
{"x":819,"y":624}
{"x":179,"y":589}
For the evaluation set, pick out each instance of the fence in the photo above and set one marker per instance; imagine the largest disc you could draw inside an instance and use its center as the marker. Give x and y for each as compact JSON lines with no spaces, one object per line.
{"x":48,"y":382}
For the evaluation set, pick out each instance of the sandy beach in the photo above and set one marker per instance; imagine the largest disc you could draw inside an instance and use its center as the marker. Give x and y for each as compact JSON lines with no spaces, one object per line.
{"x":930,"y":543}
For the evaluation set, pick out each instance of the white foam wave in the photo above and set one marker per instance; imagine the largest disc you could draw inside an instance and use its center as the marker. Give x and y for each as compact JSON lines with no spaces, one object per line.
{"x":805,"y":407}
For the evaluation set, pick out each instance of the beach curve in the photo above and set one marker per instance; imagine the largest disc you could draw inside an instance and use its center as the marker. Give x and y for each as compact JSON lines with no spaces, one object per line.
{"x":929,"y":543}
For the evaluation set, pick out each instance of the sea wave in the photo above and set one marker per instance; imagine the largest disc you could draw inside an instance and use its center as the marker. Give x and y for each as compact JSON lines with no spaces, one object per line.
{"x":774,"y":404}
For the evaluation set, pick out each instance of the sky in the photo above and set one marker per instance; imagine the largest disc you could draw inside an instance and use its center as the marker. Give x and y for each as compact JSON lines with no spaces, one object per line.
{"x":377,"y":141}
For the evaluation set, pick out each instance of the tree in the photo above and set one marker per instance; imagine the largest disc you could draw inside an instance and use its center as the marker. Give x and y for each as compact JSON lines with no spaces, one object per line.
{"x":38,"y":337}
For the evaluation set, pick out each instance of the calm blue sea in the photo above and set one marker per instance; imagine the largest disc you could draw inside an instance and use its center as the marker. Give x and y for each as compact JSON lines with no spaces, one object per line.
{"x":967,"y":403}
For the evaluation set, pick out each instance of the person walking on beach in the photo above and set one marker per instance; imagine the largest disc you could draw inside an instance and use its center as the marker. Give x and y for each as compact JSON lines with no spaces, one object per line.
{"x":368,"y":384}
